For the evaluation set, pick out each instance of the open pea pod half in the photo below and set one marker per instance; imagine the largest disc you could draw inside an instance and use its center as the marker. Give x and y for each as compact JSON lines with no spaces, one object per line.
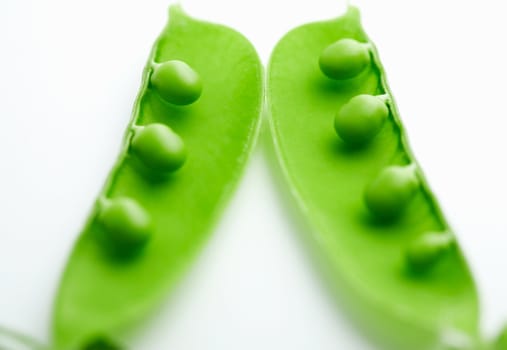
{"x":343,"y":150}
{"x":193,"y":126}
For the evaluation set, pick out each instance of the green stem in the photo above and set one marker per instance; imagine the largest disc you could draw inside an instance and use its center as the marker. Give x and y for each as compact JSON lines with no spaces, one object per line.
{"x":14,"y":338}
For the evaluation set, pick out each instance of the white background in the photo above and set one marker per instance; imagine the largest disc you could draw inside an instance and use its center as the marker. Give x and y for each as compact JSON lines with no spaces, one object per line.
{"x":69,"y":73}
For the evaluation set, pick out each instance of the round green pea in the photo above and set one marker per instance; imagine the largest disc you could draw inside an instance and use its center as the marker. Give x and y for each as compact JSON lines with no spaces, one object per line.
{"x":176,"y":82}
{"x":344,"y":59}
{"x":424,"y":252}
{"x":360,"y":119}
{"x":391,"y":191}
{"x":126,"y":224}
{"x":159,"y":148}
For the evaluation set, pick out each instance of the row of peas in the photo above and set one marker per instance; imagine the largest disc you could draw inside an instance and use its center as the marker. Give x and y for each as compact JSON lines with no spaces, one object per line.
{"x":127,"y":226}
{"x":357,"y":123}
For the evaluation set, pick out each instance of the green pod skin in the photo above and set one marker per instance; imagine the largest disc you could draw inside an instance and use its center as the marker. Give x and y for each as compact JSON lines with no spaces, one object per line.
{"x":167,"y":218}
{"x":500,"y":343}
{"x":365,"y":257}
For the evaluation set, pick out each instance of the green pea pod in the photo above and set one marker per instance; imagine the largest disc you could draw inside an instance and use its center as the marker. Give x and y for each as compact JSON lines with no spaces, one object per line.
{"x":344,"y":153}
{"x":193,"y":126}
{"x":500,"y":343}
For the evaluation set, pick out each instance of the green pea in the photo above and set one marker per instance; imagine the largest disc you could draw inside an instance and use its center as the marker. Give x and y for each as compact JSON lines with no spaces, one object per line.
{"x":360,"y":119}
{"x":159,"y":148}
{"x":388,"y":195}
{"x":176,"y":82}
{"x":102,"y":294}
{"x":126,"y":224}
{"x":424,"y":252}
{"x":330,"y":186}
{"x":344,"y":59}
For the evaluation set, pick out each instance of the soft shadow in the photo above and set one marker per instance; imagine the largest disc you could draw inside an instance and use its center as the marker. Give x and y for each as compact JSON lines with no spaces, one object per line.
{"x":343,"y":149}
{"x":154,"y":109}
{"x":154,"y":178}
{"x":367,"y":219}
{"x":334,"y":287}
{"x":349,"y":87}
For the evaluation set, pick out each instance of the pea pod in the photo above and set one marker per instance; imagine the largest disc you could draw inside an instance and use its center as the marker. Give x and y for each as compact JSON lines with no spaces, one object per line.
{"x":193,"y":126}
{"x":342,"y":149}
{"x":500,"y":343}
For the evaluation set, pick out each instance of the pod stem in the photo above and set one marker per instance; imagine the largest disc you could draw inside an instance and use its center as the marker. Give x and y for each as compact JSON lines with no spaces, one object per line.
{"x":102,"y":203}
{"x":135,"y":128}
{"x":15,"y":338}
{"x":154,"y":64}
{"x":384,"y":98}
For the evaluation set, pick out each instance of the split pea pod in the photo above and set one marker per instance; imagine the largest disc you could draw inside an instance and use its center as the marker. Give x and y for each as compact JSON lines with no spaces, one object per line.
{"x":192,"y":129}
{"x":343,"y":151}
